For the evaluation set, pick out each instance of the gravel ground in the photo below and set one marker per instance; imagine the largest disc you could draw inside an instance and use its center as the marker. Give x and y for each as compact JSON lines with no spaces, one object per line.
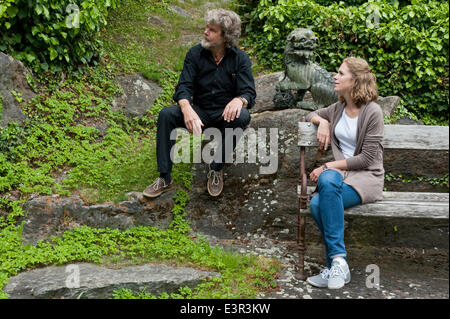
{"x":404,"y":273}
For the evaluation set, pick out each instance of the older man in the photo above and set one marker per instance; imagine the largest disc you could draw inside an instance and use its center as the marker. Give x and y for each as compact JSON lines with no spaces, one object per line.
{"x":215,"y":89}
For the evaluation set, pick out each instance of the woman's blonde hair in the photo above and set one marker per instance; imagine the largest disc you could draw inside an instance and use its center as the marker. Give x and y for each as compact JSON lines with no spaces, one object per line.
{"x":365,"y":83}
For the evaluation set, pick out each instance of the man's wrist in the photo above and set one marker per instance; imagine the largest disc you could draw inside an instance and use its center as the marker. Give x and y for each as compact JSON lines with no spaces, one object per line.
{"x":184,"y":104}
{"x":243,"y":100}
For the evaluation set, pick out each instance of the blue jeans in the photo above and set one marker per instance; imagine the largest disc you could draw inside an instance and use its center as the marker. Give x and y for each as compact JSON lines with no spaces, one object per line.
{"x":327,"y":209}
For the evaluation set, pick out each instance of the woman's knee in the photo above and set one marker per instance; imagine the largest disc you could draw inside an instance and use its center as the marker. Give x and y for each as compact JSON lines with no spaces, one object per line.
{"x":314,"y":206}
{"x":329,"y":178}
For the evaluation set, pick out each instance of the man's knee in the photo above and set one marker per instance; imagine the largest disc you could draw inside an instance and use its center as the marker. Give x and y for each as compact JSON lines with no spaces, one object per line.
{"x":243,"y":120}
{"x":168,"y":114}
{"x":169,"y":111}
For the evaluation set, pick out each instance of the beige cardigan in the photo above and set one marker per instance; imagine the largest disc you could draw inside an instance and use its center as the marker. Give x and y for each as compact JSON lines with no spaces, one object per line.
{"x":365,"y":169}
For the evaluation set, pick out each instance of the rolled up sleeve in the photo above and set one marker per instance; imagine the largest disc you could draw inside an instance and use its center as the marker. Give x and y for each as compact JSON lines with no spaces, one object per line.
{"x":323,"y":113}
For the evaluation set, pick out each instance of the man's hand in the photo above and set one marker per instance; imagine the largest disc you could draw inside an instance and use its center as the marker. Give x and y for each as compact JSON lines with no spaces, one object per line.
{"x":233,"y":110}
{"x":191,"y":118}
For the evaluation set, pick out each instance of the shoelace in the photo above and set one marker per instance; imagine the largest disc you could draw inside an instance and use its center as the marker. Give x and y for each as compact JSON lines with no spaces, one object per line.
{"x":215,"y":175}
{"x":157,"y":182}
{"x":336,"y":271}
{"x":325,"y":273}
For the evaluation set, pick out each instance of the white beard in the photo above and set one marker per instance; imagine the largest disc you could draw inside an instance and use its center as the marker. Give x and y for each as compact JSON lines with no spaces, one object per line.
{"x":210,"y":45}
{"x":206,"y":44}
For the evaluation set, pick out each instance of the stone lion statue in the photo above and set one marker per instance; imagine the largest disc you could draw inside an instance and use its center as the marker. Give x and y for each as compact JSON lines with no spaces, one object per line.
{"x":301,"y":75}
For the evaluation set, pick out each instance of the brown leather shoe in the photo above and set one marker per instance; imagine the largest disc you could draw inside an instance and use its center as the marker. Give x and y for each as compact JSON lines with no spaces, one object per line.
{"x":215,"y":182}
{"x":158,"y":187}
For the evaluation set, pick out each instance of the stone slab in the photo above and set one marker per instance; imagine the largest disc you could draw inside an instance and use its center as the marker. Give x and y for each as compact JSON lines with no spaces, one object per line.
{"x":90,"y":281}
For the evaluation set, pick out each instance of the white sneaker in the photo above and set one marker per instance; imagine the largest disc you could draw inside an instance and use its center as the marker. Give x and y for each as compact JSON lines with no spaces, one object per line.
{"x":339,"y":274}
{"x":320,"y":280}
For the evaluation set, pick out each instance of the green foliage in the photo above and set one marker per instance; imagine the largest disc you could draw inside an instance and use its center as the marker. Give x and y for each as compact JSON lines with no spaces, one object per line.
{"x":1,"y":106}
{"x":241,"y":276}
{"x":57,"y":130}
{"x":60,"y":138}
{"x":136,"y":43}
{"x":17,"y":96}
{"x":407,"y":47}
{"x":14,"y":212}
{"x":73,"y":133}
{"x":50,"y":34}
{"x":63,"y":138}
{"x":360,"y":2}
{"x":399,"y":112}
{"x":73,"y":141}
{"x":434,"y":181}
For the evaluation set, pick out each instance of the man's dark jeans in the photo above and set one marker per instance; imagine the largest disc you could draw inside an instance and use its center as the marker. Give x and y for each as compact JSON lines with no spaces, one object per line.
{"x":171,"y":117}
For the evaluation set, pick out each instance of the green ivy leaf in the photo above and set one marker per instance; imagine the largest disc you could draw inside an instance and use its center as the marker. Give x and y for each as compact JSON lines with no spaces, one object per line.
{"x":53,"y":53}
{"x":12,"y":11}
{"x":38,"y":10}
{"x":46,"y":12}
{"x":3,"y":8}
{"x":30,"y":57}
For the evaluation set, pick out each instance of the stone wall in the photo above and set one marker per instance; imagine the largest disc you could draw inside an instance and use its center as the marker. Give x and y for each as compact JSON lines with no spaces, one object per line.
{"x":267,"y":204}
{"x":48,"y":216}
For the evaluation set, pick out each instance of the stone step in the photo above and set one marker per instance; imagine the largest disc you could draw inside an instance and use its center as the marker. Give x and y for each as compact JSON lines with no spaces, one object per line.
{"x":47,"y":216}
{"x":89,"y":281}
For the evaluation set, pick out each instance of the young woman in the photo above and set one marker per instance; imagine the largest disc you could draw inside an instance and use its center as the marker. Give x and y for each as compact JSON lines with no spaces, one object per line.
{"x":354,"y":127}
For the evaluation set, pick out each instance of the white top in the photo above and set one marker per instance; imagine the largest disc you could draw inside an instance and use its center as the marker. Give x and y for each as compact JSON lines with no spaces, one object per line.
{"x":345,"y":133}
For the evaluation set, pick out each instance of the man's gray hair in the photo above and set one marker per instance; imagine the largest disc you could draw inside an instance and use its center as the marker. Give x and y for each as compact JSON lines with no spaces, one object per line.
{"x":229,"y":22}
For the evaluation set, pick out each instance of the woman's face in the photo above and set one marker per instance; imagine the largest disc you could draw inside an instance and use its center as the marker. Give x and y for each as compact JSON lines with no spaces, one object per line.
{"x":343,"y":80}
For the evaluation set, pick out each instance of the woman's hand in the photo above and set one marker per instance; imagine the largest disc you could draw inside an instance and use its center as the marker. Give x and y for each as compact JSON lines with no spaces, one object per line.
{"x":323,"y":134}
{"x":314,"y":176}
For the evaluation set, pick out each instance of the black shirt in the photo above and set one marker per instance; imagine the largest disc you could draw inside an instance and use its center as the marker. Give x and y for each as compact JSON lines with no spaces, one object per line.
{"x":208,"y":85}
